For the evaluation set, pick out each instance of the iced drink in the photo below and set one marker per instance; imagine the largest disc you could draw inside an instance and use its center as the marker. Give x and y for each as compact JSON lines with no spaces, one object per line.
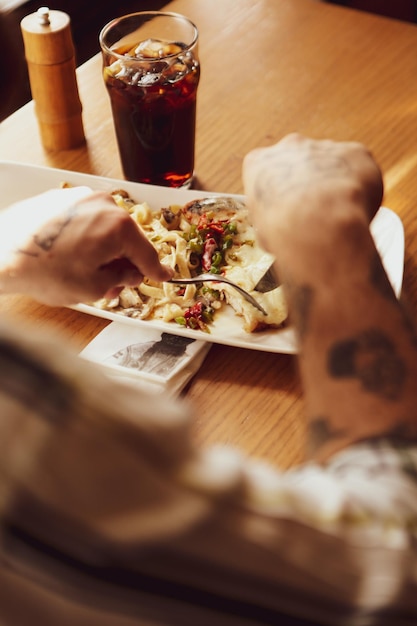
{"x":152,"y":84}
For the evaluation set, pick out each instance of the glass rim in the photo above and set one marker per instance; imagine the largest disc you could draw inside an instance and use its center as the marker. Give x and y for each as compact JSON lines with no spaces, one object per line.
{"x":116,"y":20}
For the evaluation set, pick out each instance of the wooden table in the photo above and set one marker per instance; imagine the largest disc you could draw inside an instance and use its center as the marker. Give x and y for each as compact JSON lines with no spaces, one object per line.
{"x":269,"y":67}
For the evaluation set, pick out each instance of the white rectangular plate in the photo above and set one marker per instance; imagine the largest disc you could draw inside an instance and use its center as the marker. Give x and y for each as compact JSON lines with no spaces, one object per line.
{"x":19,"y":181}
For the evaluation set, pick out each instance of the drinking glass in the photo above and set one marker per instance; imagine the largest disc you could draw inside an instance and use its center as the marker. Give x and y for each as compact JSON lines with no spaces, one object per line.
{"x":151,"y":71}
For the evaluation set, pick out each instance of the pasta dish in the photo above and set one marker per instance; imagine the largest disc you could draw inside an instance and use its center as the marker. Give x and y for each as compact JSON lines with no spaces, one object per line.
{"x":208,"y":235}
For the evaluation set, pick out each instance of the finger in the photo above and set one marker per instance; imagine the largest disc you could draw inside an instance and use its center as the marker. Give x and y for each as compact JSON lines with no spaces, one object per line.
{"x":142,"y":254}
{"x":116,"y":275}
{"x":120,"y":272}
{"x":124,"y":239}
{"x":107,"y":281}
{"x":112,"y":293}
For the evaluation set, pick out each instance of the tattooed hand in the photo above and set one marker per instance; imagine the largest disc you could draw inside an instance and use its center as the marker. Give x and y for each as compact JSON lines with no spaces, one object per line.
{"x":311,"y":203}
{"x":301,"y":182}
{"x":70,"y":246}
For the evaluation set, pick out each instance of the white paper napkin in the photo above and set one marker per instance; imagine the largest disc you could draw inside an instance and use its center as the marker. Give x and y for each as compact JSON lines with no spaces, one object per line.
{"x":149,"y":358}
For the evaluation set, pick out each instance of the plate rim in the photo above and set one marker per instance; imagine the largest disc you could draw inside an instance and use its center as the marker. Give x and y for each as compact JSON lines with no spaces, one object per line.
{"x":288,"y":347}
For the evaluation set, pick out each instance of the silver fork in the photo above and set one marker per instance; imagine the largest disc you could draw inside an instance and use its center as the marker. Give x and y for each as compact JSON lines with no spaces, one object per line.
{"x":203,"y":278}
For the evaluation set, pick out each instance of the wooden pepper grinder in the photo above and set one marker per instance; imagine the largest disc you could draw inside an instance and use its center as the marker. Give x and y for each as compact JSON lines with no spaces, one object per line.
{"x":50,"y":56}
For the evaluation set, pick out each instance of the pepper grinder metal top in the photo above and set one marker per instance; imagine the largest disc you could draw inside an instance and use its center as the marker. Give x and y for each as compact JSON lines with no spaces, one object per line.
{"x":50,"y":56}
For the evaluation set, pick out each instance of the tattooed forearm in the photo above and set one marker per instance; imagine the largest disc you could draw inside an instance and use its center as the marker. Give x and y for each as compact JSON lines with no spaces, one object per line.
{"x":320,"y":433}
{"x":45,"y":240}
{"x":380,"y":280}
{"x":409,"y":323}
{"x":371,"y":358}
{"x":301,"y":302}
{"x":398,"y":435}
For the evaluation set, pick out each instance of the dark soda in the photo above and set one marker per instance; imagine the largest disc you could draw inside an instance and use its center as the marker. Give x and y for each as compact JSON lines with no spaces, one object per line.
{"x":154,"y":111}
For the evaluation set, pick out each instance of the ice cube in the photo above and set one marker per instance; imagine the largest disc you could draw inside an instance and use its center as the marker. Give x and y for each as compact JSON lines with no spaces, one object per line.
{"x":113,"y":69}
{"x":156,"y":49}
{"x":149,"y":79}
{"x":176,"y":72}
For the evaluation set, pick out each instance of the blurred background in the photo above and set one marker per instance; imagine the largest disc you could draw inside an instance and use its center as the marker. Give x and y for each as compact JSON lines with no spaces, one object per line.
{"x":87,"y":19}
{"x":399,"y":9}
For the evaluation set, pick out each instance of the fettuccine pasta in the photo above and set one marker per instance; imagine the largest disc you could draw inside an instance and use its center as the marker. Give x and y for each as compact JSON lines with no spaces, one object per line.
{"x":208,"y":235}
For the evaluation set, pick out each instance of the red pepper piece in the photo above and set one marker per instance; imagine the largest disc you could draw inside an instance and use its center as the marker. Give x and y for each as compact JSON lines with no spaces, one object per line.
{"x":210,"y":247}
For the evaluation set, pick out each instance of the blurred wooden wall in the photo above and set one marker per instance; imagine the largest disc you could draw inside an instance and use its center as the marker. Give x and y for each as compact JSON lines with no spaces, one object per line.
{"x":399,"y":9}
{"x":87,"y":19}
